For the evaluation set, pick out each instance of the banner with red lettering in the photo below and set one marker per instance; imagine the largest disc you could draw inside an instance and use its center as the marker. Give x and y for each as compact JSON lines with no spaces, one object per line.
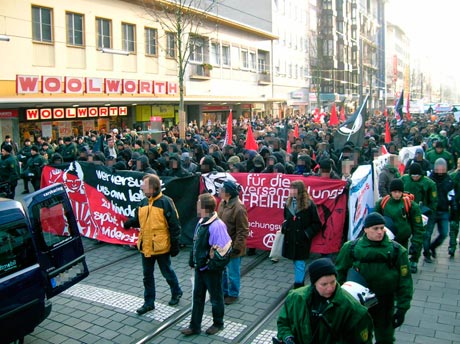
{"x":264,"y":195}
{"x":102,"y":199}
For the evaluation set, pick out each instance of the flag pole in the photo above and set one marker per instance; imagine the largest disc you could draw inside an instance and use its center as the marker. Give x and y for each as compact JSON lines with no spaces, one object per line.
{"x":354,"y":123}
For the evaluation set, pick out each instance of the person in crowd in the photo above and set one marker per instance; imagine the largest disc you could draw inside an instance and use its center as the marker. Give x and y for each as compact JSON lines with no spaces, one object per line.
{"x":175,"y":167}
{"x":323,"y":312}
{"x":406,"y":219}
{"x":158,"y":240}
{"x":187,"y":163}
{"x":300,"y":226}
{"x":235,"y":216}
{"x":454,"y":211}
{"x":446,"y":203}
{"x":384,"y":265}
{"x":143,"y":165}
{"x":111,"y":149}
{"x":46,"y":148}
{"x":326,"y":170}
{"x":23,"y":155}
{"x":9,"y":171}
{"x":69,"y":152}
{"x":418,"y":158}
{"x":425,"y":195}
{"x":9,"y":141}
{"x":439,"y":152}
{"x":388,"y":173}
{"x":211,"y":245}
{"x":34,"y":167}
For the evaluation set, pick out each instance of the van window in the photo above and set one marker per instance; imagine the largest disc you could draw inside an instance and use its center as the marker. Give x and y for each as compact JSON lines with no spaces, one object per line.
{"x":16,"y":248}
{"x":51,"y":219}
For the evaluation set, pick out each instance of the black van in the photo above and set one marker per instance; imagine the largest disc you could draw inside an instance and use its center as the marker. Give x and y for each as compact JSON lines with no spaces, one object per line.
{"x":41,"y":255}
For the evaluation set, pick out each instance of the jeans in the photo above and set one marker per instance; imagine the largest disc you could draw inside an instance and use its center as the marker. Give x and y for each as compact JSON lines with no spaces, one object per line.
{"x":148,"y":267}
{"x":231,"y":277}
{"x":441,"y":218}
{"x":212,"y":282}
{"x":299,"y":271}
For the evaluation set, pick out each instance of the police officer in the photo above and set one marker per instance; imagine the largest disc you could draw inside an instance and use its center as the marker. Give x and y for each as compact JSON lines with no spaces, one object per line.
{"x":406,"y":218}
{"x":323,"y":312}
{"x":24,"y":155}
{"x":425,"y":193}
{"x":9,"y":171}
{"x":439,"y":152}
{"x":34,"y":167}
{"x":384,"y":264}
{"x":454,"y":211}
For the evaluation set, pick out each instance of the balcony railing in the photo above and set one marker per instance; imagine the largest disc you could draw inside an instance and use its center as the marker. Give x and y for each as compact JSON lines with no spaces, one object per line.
{"x":264,"y":78}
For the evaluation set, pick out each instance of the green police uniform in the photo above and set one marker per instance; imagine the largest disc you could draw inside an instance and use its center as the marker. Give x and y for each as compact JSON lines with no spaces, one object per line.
{"x":385,"y":267}
{"x":9,"y":173}
{"x":424,"y":191}
{"x":33,"y":171}
{"x":343,"y":320}
{"x":454,"y":214}
{"x":69,"y":152}
{"x":432,"y":156}
{"x":406,"y":225}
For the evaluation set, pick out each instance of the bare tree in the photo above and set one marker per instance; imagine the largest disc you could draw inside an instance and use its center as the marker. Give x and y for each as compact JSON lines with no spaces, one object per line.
{"x":183,"y":19}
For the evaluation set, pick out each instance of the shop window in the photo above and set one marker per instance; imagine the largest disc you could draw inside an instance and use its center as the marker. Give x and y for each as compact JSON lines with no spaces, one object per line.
{"x":128,"y":37}
{"x":151,"y":41}
{"x":104,"y":33}
{"x":42,"y":24}
{"x":75,"y":29}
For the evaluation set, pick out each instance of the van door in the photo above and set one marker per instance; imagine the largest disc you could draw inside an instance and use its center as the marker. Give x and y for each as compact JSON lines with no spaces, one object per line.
{"x":56,"y":236}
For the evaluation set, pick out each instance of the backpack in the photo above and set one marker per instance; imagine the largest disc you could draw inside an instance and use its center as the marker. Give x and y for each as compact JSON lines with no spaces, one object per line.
{"x":407,"y":198}
{"x":390,"y":260}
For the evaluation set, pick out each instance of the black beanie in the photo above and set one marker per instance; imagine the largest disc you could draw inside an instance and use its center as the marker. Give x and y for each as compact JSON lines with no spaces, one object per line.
{"x":397,"y":185}
{"x":374,"y":219}
{"x":415,"y":168}
{"x":321,"y":267}
{"x":8,"y":148}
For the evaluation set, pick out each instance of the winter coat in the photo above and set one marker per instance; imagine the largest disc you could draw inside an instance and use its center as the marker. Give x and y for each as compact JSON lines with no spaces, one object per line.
{"x":344,"y":320}
{"x":299,"y":229}
{"x":235,"y":216}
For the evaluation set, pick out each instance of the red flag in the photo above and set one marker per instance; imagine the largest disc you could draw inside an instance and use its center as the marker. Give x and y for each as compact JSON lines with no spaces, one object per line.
{"x":296,"y":131}
{"x":229,"y":134}
{"x":250,"y":141}
{"x":342,"y":114}
{"x":387,"y":132}
{"x":384,"y":150}
{"x":288,"y":147}
{"x":408,"y":108}
{"x":334,"y":120}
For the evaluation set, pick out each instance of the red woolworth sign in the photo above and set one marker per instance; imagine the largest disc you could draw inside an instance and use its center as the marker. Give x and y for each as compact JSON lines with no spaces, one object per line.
{"x":30,"y":84}
{"x":75,"y":113}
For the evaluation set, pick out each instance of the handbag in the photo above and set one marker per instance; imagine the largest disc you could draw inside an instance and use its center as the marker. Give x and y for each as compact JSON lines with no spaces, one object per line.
{"x":277,"y":246}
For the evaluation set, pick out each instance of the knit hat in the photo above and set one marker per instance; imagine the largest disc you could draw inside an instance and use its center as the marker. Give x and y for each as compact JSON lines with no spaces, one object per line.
{"x":373,"y":219}
{"x":321,"y":267}
{"x":397,"y":185}
{"x":7,"y":148}
{"x":415,"y":168}
{"x":230,"y":188}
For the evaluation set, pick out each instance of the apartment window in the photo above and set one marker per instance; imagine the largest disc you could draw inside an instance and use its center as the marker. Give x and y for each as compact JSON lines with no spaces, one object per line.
{"x":215,"y":53}
{"x":128,"y":32}
{"x":42,"y":24}
{"x":244,"y":59}
{"x":262,"y":66}
{"x":75,"y":31}
{"x":226,"y":60}
{"x":171,"y":45}
{"x":252,"y":61}
{"x":104,"y":33}
{"x":151,"y":41}
{"x":196,"y":45}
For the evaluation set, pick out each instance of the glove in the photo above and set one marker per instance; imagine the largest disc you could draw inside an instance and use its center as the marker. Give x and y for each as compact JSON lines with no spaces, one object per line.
{"x":398,"y":318}
{"x":174,"y":251}
{"x":289,"y":340}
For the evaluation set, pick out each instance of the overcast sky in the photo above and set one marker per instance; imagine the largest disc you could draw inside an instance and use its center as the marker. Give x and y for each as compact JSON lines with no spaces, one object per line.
{"x":433,"y":27}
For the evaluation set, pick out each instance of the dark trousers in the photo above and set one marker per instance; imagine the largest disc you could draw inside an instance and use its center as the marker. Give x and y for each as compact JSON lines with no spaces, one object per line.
{"x":382,"y":315}
{"x":207,"y":281}
{"x":148,"y":267}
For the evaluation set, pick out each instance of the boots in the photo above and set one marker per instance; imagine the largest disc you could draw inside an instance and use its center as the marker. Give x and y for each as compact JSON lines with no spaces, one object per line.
{"x":298,"y":285}
{"x":451,"y":252}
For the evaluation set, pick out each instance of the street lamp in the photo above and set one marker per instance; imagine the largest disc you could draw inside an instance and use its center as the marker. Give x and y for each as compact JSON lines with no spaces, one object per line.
{"x":4,"y":38}
{"x":115,"y":51}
